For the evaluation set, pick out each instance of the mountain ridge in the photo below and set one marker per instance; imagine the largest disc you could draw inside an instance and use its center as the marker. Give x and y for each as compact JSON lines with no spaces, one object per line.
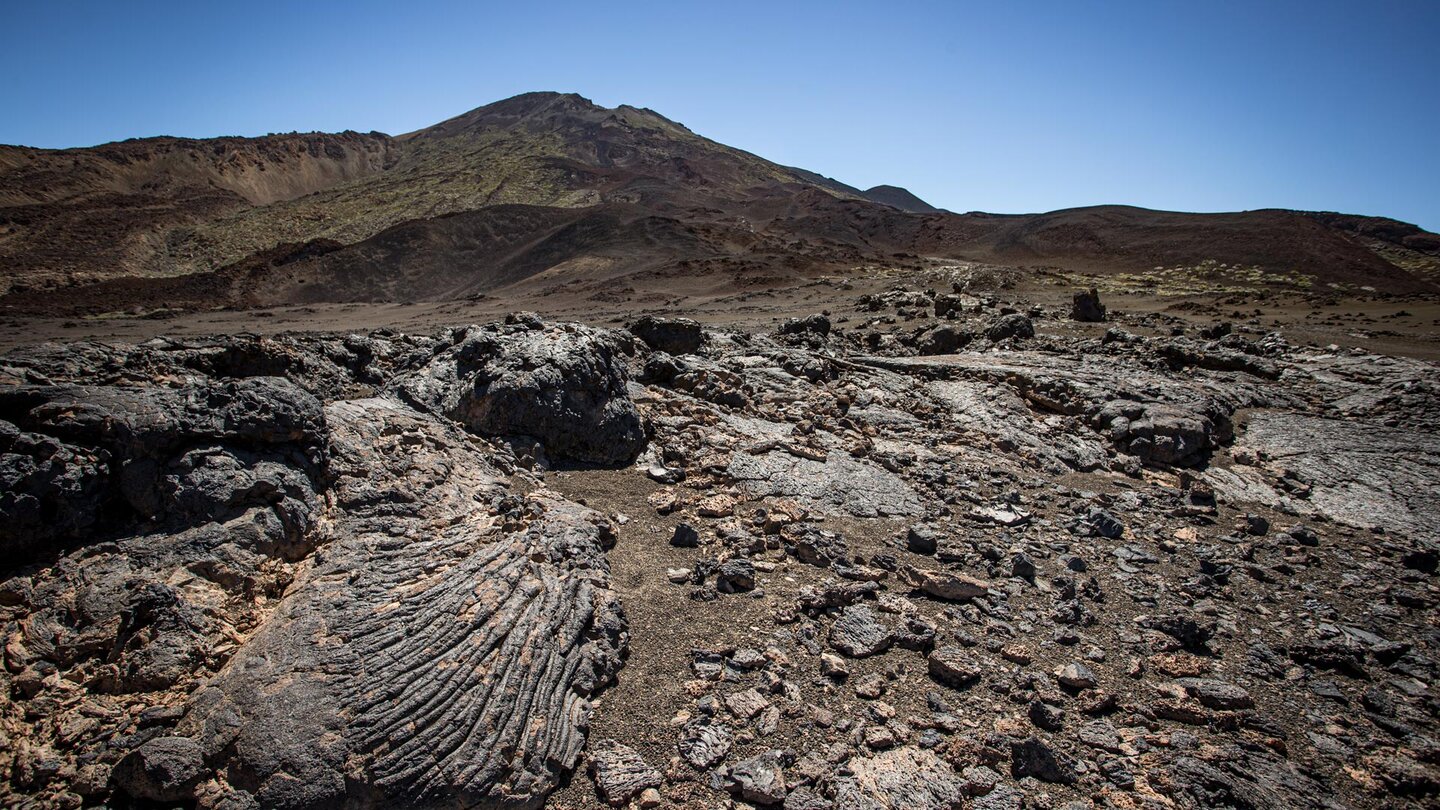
{"x":171,"y":207}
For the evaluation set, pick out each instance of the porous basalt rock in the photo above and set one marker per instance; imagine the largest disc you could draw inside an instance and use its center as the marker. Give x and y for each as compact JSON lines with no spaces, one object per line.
{"x":351,"y":594}
{"x":670,"y":335}
{"x":428,"y":602}
{"x":1086,"y":307}
{"x":1162,"y":433}
{"x":564,"y":385}
{"x":363,"y":603}
{"x":149,"y":454}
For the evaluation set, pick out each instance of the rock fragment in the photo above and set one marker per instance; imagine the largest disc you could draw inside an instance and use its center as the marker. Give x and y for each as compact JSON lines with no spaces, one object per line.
{"x":904,"y":777}
{"x":164,"y":769}
{"x":944,"y":584}
{"x":759,"y":779}
{"x":1033,"y":756}
{"x":704,"y":745}
{"x":620,"y":773}
{"x":685,"y":536}
{"x":858,"y":634}
{"x":953,"y":666}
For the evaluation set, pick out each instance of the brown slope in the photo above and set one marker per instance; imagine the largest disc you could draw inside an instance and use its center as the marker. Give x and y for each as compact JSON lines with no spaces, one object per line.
{"x":443,"y":258}
{"x":73,"y":215}
{"x":1126,"y":238}
{"x":1345,"y":251}
{"x":546,"y":149}
{"x":475,"y":252}
{"x":258,"y":170}
{"x":410,"y":207}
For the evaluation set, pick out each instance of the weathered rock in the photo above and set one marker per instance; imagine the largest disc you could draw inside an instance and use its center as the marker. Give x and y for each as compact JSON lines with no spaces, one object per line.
{"x":810,"y":544}
{"x":1100,"y":734}
{"x":564,"y":385}
{"x":620,"y":773}
{"x":838,"y":484}
{"x":1161,"y":433}
{"x":745,"y":705}
{"x":953,"y":666}
{"x":1086,"y":306}
{"x":922,"y":539}
{"x":810,"y":324}
{"x":1260,"y":782}
{"x":1192,"y":631}
{"x":1035,"y":757}
{"x":1182,"y":353}
{"x":48,"y":490}
{"x":735,"y":575}
{"x":833,"y":666}
{"x":77,"y":454}
{"x":1216,"y":694}
{"x":1010,"y":326}
{"x":759,"y":779}
{"x":685,"y":536}
{"x":1358,"y":472}
{"x":942,"y":339}
{"x":1103,"y":524}
{"x":858,"y":634}
{"x":672,"y":335}
{"x":806,"y":798}
{"x":1076,"y":676}
{"x":704,"y":745}
{"x":1045,"y":716}
{"x":164,"y":769}
{"x":944,"y":584}
{"x":320,"y":705}
{"x":904,"y":777}
{"x":948,"y":305}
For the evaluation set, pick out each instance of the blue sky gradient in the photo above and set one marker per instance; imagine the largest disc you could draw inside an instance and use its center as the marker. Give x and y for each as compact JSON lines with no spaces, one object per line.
{"x":1008,"y":107}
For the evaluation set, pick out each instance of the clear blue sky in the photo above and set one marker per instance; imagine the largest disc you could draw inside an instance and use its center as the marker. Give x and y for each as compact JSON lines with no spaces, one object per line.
{"x":996,"y":106}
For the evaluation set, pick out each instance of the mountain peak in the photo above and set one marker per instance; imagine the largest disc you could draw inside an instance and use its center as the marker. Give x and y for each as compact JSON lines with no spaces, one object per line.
{"x":510,"y":111}
{"x":897,"y":197}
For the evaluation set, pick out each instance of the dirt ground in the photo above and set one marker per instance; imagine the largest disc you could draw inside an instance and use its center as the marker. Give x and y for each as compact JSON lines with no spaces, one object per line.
{"x":1405,"y":326}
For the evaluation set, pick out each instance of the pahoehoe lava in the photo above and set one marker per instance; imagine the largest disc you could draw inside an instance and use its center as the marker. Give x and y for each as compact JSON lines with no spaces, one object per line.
{"x":555,"y":455}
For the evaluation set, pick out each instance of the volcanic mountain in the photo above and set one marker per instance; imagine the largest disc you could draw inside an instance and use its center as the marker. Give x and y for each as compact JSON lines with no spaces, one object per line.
{"x":552,"y":186}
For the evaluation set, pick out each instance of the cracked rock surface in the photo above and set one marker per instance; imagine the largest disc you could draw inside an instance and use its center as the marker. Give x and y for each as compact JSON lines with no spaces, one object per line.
{"x":968,"y":559}
{"x":257,"y":600}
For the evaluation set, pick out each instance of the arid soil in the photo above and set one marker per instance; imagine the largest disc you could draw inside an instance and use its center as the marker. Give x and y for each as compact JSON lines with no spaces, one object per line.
{"x":944,"y":546}
{"x":1389,"y":324}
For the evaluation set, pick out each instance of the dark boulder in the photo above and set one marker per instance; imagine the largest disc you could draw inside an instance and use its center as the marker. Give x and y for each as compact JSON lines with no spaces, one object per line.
{"x":1086,"y":306}
{"x":809,"y":325}
{"x":672,"y":335}
{"x":1033,"y":756}
{"x":564,"y":385}
{"x":1161,"y":433}
{"x":943,"y":339}
{"x":685,"y":536}
{"x":1010,"y":326}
